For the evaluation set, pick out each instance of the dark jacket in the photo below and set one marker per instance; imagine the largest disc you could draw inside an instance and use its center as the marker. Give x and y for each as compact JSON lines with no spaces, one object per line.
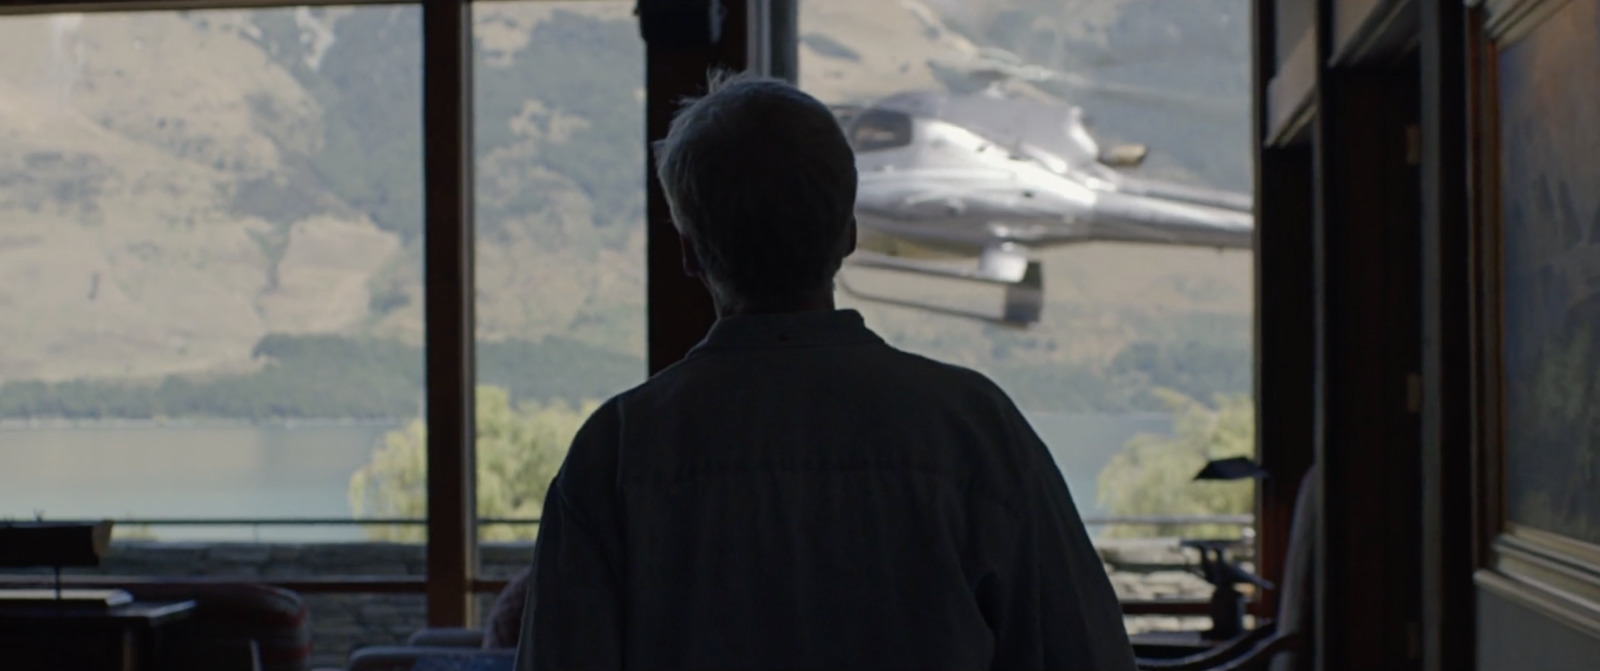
{"x":797,"y":494}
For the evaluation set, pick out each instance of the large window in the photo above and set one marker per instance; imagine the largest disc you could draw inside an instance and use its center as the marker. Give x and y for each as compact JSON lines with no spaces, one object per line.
{"x":1138,"y":367}
{"x":212,"y":280}
{"x":210,"y":264}
{"x":559,"y":124}
{"x":558,"y":92}
{"x":211,"y":292}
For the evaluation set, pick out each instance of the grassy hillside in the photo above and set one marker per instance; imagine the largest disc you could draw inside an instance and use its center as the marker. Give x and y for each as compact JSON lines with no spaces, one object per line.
{"x":179,"y":189}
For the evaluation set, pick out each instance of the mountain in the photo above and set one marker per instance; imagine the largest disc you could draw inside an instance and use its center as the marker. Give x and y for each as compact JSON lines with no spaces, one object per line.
{"x":175,"y":187}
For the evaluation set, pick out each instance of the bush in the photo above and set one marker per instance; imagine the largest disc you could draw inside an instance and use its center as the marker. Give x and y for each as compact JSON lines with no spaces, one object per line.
{"x":1154,"y":474}
{"x":519,"y":450}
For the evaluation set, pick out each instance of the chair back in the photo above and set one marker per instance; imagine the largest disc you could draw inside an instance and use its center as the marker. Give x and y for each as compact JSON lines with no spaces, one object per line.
{"x":1296,"y":606}
{"x":505,"y":618}
{"x":233,"y":617}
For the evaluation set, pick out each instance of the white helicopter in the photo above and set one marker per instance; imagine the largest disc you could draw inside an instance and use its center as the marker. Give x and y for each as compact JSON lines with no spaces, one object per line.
{"x":993,"y":175}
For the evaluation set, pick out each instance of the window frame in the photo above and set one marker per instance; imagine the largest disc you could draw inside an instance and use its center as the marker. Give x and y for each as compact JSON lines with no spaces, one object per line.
{"x":756,"y":34}
{"x":451,"y":582}
{"x":672,"y":72}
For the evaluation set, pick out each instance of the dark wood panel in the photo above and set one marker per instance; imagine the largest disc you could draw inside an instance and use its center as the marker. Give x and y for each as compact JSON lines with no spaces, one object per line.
{"x":1368,"y":355}
{"x":1483,"y":171}
{"x":783,"y":29}
{"x":1447,"y":474}
{"x":1285,"y":342}
{"x":1285,"y":325}
{"x":448,"y":295}
{"x":679,"y":311}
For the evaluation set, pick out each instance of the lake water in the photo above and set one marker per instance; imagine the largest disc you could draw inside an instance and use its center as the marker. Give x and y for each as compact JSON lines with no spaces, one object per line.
{"x":239,"y":471}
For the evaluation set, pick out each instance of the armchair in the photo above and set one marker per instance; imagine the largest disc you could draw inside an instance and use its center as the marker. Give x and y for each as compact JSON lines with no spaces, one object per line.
{"x":237,"y":625}
{"x":456,"y":648}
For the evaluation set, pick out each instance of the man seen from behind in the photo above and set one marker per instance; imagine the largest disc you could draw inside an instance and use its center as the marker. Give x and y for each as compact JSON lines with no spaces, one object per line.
{"x":796,"y":493}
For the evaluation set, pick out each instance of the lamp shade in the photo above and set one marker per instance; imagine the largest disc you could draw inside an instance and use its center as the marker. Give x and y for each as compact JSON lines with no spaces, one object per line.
{"x":1232,"y":468}
{"x":35,"y":544}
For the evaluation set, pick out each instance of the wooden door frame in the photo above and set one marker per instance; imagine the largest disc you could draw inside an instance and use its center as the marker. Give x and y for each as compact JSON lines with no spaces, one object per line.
{"x":1447,"y":472}
{"x":1284,"y":323}
{"x":1368,"y":357}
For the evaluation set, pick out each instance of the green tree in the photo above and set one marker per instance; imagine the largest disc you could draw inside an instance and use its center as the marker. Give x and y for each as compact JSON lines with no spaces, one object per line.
{"x":519,"y":449}
{"x":133,"y":532}
{"x":1154,"y":474}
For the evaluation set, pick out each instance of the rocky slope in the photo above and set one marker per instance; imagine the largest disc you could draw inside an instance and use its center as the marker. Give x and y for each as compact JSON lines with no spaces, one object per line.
{"x":176,"y":185}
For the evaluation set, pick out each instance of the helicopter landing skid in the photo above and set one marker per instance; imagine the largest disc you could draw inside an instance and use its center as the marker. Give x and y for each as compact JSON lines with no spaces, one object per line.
{"x":1024,"y":290}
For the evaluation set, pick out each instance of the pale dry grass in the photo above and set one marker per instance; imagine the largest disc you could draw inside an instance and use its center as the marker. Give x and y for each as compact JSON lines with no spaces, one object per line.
{"x":163,"y":117}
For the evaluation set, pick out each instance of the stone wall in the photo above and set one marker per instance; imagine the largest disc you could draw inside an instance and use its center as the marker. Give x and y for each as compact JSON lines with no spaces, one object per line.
{"x":1145,"y":568}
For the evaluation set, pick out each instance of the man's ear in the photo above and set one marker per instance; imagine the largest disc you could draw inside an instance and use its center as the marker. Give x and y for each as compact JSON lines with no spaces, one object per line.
{"x":850,"y":244}
{"x":691,"y":260}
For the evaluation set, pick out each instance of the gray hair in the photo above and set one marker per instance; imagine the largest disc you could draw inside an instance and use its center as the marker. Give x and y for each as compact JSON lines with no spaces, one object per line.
{"x":761,"y":182}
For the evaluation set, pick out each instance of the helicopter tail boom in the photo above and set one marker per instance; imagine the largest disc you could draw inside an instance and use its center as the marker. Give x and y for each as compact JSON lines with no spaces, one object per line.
{"x":1126,"y":217}
{"x":1006,"y":265}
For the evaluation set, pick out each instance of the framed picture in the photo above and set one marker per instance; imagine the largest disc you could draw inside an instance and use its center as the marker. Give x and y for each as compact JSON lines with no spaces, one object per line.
{"x":1536,"y":163}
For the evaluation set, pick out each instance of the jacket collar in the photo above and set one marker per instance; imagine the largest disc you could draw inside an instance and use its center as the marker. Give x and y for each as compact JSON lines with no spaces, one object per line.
{"x":804,"y":329}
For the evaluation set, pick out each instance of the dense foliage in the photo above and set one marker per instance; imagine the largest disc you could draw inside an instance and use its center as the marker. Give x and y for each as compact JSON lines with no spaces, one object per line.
{"x":520,"y":447}
{"x":1154,"y":474}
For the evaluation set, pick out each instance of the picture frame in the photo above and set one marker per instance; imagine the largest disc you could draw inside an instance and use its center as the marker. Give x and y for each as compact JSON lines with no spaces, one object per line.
{"x":1548,"y":561}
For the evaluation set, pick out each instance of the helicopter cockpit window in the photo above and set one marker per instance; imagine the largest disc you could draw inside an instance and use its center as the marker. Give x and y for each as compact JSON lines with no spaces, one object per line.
{"x":876,"y":130}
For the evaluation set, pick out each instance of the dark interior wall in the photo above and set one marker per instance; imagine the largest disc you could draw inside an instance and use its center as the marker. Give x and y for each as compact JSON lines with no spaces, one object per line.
{"x":1368,"y":357}
{"x":679,"y":312}
{"x":1447,"y":519}
{"x":1514,"y":637}
{"x":784,"y":29}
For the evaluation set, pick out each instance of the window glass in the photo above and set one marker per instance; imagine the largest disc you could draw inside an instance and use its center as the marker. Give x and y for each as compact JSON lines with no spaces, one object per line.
{"x":210,"y":226}
{"x":1130,"y":351}
{"x":876,"y":130}
{"x":559,"y":114}
{"x":210,"y":294}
